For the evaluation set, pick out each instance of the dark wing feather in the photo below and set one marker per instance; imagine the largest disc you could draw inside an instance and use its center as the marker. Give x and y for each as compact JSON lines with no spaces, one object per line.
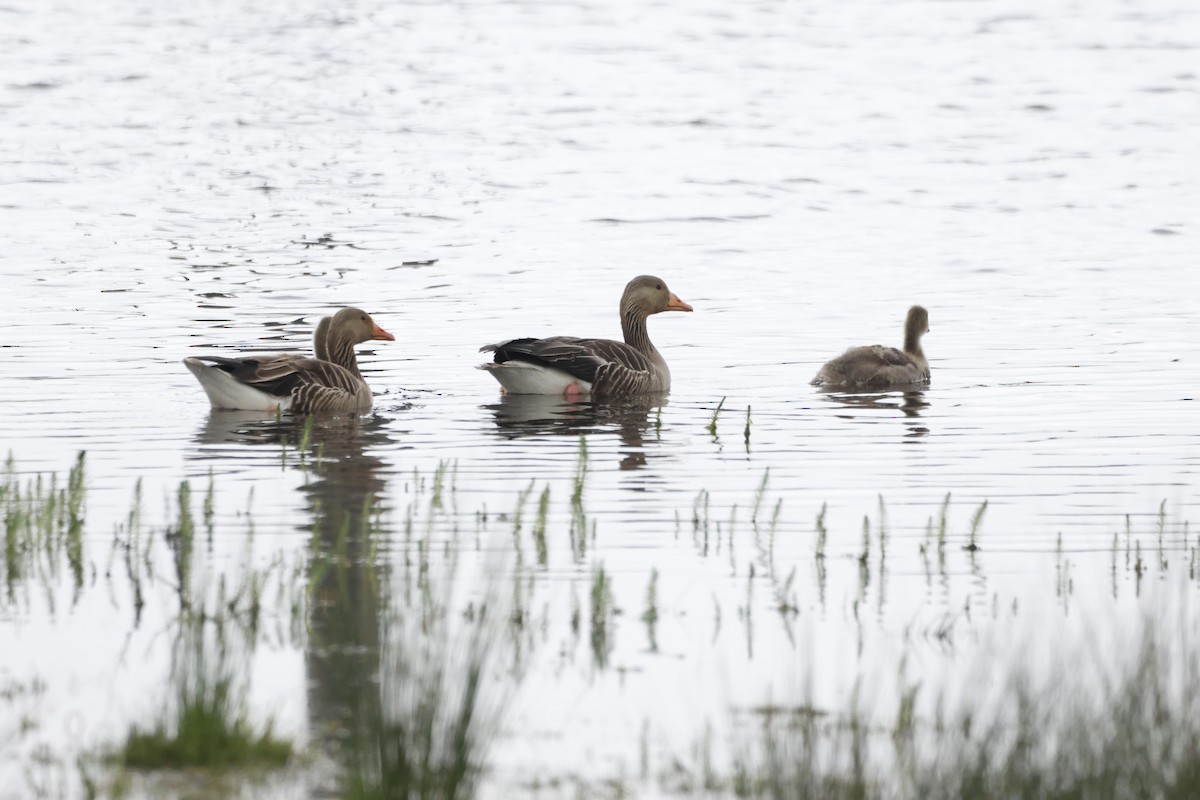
{"x":275,"y":375}
{"x":583,"y":359}
{"x":313,"y":385}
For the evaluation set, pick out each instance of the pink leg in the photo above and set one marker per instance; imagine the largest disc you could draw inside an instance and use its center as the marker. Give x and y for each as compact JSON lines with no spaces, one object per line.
{"x":573,"y":392}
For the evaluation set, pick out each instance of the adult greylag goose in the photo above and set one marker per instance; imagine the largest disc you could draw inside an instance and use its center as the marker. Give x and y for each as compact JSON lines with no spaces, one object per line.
{"x":330,"y":383}
{"x":876,"y":366}
{"x":602,"y":368}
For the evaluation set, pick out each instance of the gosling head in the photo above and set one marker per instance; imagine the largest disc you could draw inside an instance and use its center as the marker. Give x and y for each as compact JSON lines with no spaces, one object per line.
{"x":917,"y":321}
{"x":915,"y":325}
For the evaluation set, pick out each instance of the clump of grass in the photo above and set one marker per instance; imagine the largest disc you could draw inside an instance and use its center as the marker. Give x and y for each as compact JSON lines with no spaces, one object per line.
{"x":941,"y":534}
{"x":603,"y":612}
{"x":650,"y":615}
{"x":209,"y":725}
{"x":700,"y":526}
{"x":1138,"y":736}
{"x":209,"y":507}
{"x":1131,"y":730}
{"x":579,"y":522}
{"x":437,"y":713}
{"x":785,"y":597}
{"x":801,"y":754}
{"x":518,"y":519}
{"x":943,"y":523}
{"x":972,"y":544}
{"x":181,"y":538}
{"x":758,"y":496}
{"x":428,"y":740}
{"x":305,"y":438}
{"x":43,"y":524}
{"x":712,"y":423}
{"x":819,"y":552}
{"x":539,"y":528}
{"x":425,"y":727}
{"x":1162,"y":526}
{"x":864,"y":559}
{"x":822,"y":534}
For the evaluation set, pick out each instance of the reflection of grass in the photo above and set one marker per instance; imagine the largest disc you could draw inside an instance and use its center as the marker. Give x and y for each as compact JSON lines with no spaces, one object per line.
{"x":1137,"y":734}
{"x":435,"y":722}
{"x":208,"y":726}
{"x":443,"y":678}
{"x":439,"y":703}
{"x":436,"y":716}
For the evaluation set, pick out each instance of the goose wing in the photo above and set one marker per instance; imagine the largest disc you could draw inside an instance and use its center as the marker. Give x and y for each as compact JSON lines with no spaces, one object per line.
{"x":314,"y":385}
{"x":871,"y":366}
{"x":328,"y":388}
{"x":897,"y":366}
{"x":891,"y":357}
{"x":590,"y":360}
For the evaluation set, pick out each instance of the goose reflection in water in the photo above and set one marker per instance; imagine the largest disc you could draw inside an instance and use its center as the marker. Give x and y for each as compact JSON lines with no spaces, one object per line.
{"x":911,"y":402}
{"x":521,"y":416}
{"x":342,"y":492}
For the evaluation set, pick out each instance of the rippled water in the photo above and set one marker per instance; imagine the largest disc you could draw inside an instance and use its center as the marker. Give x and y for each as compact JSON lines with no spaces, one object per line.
{"x":214,"y":179}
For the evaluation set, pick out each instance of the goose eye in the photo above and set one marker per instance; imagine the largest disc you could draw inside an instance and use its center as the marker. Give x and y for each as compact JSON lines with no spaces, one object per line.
{"x":659,"y":287}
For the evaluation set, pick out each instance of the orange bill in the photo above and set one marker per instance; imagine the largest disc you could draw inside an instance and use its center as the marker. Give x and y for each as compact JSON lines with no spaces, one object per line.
{"x":379,"y":333}
{"x":675,"y":304}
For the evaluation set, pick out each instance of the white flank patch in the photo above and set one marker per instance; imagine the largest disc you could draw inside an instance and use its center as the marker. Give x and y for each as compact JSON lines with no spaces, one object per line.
{"x":521,"y":377}
{"x":226,"y":393}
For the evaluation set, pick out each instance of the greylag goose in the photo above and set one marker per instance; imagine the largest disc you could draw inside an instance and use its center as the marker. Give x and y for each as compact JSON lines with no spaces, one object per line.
{"x":602,"y":368}
{"x":876,"y":366}
{"x":330,"y":383}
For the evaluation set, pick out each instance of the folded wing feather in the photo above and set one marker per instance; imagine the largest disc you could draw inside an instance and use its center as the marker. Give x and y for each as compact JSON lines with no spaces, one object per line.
{"x":599,"y":362}
{"x":312,"y":384}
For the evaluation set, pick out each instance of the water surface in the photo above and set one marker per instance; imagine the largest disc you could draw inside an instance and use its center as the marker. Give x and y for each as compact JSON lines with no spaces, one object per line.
{"x":178,"y":183}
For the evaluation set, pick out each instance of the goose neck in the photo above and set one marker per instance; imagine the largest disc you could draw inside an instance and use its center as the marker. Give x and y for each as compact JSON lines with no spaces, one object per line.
{"x":633,"y":326}
{"x":912,"y":343}
{"x":341,"y":352}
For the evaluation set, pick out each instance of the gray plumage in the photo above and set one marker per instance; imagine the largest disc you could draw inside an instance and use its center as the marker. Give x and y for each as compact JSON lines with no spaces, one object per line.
{"x":330,"y":383}
{"x":320,"y":335}
{"x":877,"y":366}
{"x":601,"y":367}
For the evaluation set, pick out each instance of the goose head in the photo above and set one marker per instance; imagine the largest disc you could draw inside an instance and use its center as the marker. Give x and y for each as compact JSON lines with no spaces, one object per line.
{"x":356,"y":326}
{"x":648,"y":295}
